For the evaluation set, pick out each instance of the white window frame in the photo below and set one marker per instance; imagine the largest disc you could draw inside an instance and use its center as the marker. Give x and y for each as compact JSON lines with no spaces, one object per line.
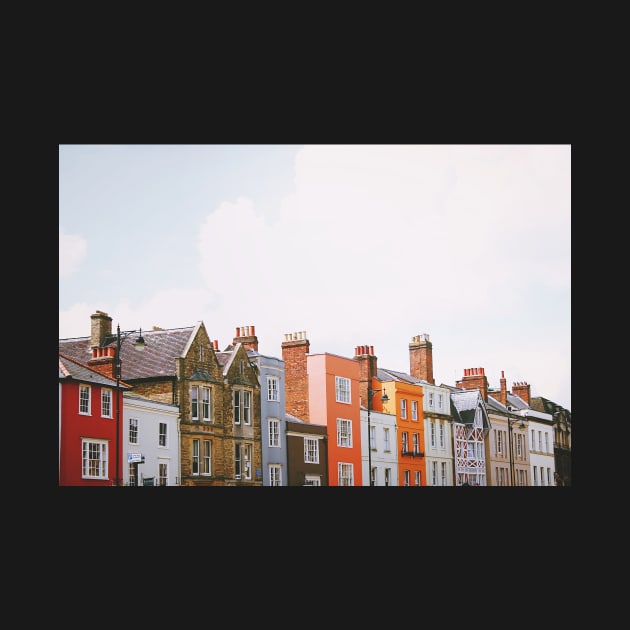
{"x":206,"y":404}
{"x":345,"y":474}
{"x":133,"y":430}
{"x":386,"y":442}
{"x":194,"y":402}
{"x":241,"y":403}
{"x":388,"y":476}
{"x":94,"y":459}
{"x":275,"y":475}
{"x":311,"y":450}
{"x":441,"y":427}
{"x":414,"y":410}
{"x":432,"y":432}
{"x":434,"y":474}
{"x":418,"y":477}
{"x":312,"y":480}
{"x":85,"y":400}
{"x":344,"y":433}
{"x":406,"y":478}
{"x":106,"y":402}
{"x":273,"y":425}
{"x":196,"y":455}
{"x":372,"y":437}
{"x":206,"y":458}
{"x":247,"y":460}
{"x":162,"y":479}
{"x":237,"y":461}
{"x":273,"y":388}
{"x":343,"y":392}
{"x":403,"y":408}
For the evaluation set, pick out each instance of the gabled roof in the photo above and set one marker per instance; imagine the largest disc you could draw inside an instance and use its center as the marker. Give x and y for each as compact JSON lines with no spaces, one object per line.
{"x":466,"y":402}
{"x":230,"y":357}
{"x":157,"y":359}
{"x":70,"y":369}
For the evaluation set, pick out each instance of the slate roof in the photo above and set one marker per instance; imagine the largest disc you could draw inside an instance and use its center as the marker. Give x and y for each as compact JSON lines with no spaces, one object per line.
{"x":465,"y":402}
{"x":157,"y":359}
{"x":540,"y":403}
{"x":383,"y":374}
{"x":517,"y":402}
{"x":69,"y":369}
{"x":495,"y":405}
{"x":389,"y":375}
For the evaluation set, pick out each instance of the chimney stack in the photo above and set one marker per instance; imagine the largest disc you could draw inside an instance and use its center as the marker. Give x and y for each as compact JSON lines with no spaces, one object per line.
{"x":246,"y":335}
{"x":502,"y":397}
{"x":522,"y":389}
{"x":421,"y":358}
{"x":367,"y":370}
{"x":102,"y":356}
{"x":295,"y":349}
{"x":475,"y":378}
{"x":101,"y":328}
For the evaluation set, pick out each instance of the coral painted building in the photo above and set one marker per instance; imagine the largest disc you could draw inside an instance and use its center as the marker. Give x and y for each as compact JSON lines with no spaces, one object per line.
{"x":324,"y":389}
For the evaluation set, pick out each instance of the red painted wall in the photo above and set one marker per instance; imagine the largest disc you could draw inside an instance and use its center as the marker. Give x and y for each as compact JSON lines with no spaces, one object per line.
{"x":75,"y":426}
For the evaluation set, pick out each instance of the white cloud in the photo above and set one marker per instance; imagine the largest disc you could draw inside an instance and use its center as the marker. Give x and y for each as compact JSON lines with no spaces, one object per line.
{"x":72,"y":252}
{"x":376,"y":244}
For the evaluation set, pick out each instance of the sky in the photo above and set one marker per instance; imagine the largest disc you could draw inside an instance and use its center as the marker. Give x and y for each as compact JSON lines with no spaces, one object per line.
{"x":353,"y":244}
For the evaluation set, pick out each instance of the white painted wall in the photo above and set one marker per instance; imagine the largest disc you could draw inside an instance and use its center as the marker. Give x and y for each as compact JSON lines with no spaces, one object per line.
{"x":149,"y":415}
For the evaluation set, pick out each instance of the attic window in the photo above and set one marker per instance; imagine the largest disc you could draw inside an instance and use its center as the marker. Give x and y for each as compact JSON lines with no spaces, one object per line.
{"x":201,"y":353}
{"x":242,"y":366}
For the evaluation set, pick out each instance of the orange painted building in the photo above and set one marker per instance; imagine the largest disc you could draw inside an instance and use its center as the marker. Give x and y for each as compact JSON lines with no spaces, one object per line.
{"x":405,"y":400}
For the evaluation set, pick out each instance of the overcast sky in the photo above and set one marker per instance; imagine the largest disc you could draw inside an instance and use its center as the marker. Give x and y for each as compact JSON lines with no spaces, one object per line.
{"x":354,"y":244}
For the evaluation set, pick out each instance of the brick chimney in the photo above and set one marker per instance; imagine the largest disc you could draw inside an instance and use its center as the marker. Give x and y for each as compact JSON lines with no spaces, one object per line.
{"x":475,"y":378}
{"x":421,"y":358}
{"x":247,"y":336}
{"x":102,"y":359}
{"x":522,"y":389}
{"x":295,"y":349}
{"x":367,"y":370}
{"x":501,"y":396}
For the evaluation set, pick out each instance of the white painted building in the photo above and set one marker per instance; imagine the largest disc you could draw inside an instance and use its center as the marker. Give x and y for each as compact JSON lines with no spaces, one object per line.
{"x":150,"y":442}
{"x":384,"y":451}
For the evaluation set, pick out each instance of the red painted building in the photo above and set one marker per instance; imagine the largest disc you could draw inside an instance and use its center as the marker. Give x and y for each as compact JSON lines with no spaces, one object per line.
{"x":87,"y":426}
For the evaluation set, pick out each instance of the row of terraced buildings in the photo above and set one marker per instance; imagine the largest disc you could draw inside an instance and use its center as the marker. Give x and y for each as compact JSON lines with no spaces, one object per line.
{"x":186,"y":413}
